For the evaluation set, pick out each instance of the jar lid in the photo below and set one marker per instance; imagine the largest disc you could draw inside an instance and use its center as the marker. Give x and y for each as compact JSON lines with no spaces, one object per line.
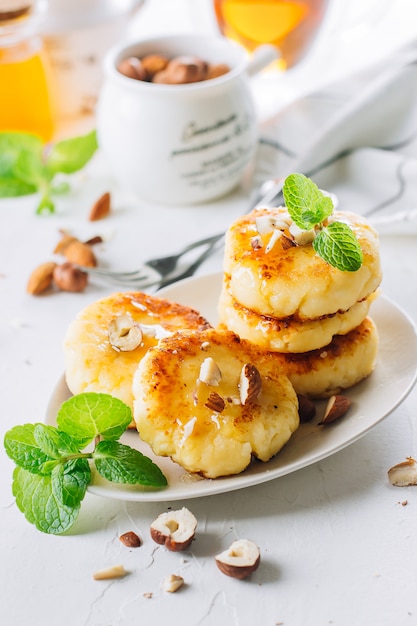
{"x":67,"y":15}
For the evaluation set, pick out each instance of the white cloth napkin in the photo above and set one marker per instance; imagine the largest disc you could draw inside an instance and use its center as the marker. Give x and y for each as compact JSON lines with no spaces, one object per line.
{"x":356,"y":138}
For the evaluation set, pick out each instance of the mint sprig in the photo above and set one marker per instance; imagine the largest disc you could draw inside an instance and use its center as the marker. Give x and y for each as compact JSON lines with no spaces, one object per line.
{"x":53,"y":470}
{"x":28,"y":166}
{"x":309,"y":208}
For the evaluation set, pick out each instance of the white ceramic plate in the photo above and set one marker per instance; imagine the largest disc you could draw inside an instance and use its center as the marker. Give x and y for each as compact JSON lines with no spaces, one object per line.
{"x":372,"y":400}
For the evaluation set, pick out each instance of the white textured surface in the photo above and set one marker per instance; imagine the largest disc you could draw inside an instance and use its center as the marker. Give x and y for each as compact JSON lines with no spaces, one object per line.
{"x":337,"y":540}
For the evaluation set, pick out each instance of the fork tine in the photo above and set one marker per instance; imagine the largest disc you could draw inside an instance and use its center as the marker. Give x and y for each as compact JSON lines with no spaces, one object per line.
{"x":110,"y":273}
{"x":144,"y":274}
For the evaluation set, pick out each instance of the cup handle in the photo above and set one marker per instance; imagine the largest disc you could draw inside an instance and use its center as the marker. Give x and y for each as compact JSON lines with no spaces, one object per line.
{"x":261,"y":57}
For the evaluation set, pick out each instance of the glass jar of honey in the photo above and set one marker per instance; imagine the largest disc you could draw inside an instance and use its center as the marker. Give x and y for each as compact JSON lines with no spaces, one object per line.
{"x":25,"y":98}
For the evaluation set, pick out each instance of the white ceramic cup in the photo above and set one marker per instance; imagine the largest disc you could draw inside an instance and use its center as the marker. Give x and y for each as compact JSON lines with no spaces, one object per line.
{"x":180,"y":144}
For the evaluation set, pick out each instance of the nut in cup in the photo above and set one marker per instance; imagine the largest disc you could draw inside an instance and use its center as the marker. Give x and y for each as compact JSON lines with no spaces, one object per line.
{"x":180,"y":143}
{"x":290,"y":25}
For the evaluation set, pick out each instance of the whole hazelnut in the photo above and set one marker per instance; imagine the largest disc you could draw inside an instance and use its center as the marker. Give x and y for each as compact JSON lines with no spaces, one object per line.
{"x":214,"y":71}
{"x":182,"y":70}
{"x":68,"y":277}
{"x":132,"y":68}
{"x":153,"y":63}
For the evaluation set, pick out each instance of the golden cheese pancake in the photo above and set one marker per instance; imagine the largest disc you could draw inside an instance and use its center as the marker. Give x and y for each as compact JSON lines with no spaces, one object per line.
{"x":288,"y":334}
{"x":282,"y":279}
{"x":211,"y":401}
{"x":347,"y":360}
{"x":107,"y":339}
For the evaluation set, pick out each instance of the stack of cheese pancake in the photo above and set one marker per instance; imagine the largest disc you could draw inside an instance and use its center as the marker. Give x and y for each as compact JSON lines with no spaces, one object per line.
{"x":214,"y":398}
{"x":281,"y":295}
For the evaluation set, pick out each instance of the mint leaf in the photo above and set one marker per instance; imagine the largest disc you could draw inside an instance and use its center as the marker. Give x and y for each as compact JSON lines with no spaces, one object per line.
{"x":27,"y":166}
{"x":53,"y":474}
{"x":70,"y":155}
{"x":338,"y":246}
{"x":12,"y":187}
{"x":22,"y":447}
{"x":35,"y":499}
{"x":52,"y":442}
{"x":30,"y":169}
{"x":14,"y":146}
{"x":45,"y":437}
{"x":306,"y":204}
{"x":70,"y":481}
{"x":87,"y":415}
{"x":122,"y":464}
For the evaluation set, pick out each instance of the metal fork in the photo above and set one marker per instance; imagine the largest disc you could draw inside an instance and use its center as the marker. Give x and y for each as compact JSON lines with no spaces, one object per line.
{"x":163,"y":271}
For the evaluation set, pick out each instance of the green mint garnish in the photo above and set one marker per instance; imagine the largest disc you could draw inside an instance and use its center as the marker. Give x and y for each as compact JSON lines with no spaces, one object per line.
{"x":122,"y":464}
{"x":53,"y":470}
{"x":308,"y":207}
{"x":35,"y":498}
{"x":28,"y":166}
{"x":88,"y":415}
{"x":337,"y":244}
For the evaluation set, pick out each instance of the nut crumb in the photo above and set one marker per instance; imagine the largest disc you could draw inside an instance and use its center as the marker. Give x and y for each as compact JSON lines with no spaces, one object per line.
{"x":336,"y":408}
{"x":250,"y":384}
{"x":100,"y":208}
{"x":148,"y":594}
{"x":172,"y":583}
{"x":124,"y":334}
{"x":130,"y":539}
{"x":404,"y":474}
{"x":215,"y":402}
{"x":210,"y":373}
{"x":94,"y":240}
{"x":117,"y":571}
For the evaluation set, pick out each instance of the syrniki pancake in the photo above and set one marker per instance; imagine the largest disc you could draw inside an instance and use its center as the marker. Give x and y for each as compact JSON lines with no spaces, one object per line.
{"x":107,"y":340}
{"x":346,"y":361}
{"x":282,"y":280}
{"x":211,"y":401}
{"x":287,"y":334}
